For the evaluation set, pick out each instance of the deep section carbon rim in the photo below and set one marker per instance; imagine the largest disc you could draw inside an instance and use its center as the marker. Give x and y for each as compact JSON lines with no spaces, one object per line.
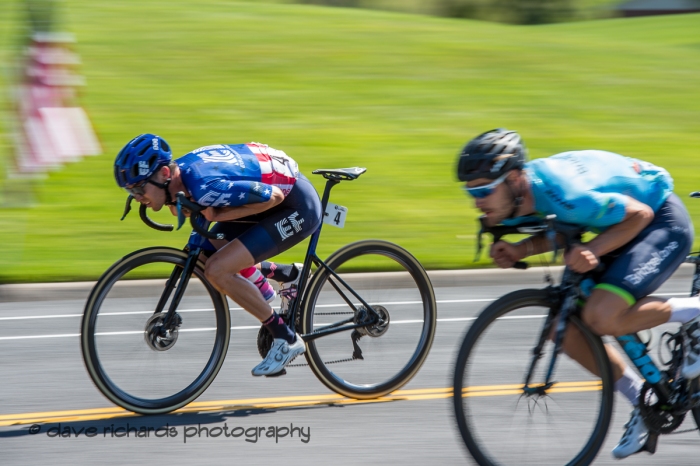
{"x":141,"y":367}
{"x":393,"y":348}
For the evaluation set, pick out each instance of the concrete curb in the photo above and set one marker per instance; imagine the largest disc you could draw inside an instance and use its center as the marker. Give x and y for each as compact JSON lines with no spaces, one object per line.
{"x":439,"y":278}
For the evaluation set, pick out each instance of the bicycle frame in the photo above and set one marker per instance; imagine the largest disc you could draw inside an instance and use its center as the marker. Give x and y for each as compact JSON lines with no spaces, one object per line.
{"x":181,"y":276}
{"x":312,"y":257}
{"x":632,"y":344}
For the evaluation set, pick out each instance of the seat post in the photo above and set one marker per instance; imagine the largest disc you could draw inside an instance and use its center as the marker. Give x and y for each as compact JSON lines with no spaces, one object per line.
{"x":327,"y":194}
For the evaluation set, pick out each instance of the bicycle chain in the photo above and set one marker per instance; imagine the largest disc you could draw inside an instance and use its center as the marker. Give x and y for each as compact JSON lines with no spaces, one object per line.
{"x":302,"y":364}
{"x":683,"y":431}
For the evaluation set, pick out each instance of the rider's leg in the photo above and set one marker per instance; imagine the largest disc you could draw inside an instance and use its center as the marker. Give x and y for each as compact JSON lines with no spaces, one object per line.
{"x":222,"y":271}
{"x":607,"y":313}
{"x":575,"y":346}
{"x":604,"y":313}
{"x":253,"y":275}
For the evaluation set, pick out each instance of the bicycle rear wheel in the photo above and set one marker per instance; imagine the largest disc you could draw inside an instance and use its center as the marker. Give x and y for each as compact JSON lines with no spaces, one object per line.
{"x":127,"y":361}
{"x":392,"y":350}
{"x":502,"y":426}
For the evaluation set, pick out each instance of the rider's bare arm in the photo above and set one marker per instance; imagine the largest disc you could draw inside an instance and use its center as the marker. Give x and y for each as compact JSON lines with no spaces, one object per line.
{"x":637,"y":216}
{"x":225,"y":214}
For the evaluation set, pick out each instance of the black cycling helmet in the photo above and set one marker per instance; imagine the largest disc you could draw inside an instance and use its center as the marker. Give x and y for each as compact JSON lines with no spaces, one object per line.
{"x":490,"y":155}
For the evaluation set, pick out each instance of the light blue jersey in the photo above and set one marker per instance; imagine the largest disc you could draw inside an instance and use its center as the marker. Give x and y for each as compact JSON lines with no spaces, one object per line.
{"x":589,"y":187}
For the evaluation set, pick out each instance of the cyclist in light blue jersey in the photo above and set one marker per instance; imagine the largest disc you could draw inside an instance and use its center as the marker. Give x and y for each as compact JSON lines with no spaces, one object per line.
{"x":644,"y":234}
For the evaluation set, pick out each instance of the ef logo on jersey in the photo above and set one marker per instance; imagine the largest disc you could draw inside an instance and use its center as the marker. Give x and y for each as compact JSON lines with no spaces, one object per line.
{"x":290,"y":225}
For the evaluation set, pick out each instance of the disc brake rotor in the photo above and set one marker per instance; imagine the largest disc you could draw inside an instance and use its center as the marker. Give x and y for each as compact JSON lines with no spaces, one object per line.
{"x":377,"y":329}
{"x":157,"y":337}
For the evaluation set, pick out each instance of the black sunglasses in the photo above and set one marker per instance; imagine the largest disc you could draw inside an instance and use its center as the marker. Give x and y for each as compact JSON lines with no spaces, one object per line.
{"x":137,"y":189}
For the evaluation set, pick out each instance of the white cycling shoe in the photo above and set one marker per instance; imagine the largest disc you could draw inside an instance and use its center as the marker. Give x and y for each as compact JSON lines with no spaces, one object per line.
{"x":281,"y":353}
{"x":635,"y":437}
{"x":691,"y":349}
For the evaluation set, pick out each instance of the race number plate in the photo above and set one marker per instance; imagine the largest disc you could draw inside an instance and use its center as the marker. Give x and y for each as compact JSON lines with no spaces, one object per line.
{"x":335,"y":215}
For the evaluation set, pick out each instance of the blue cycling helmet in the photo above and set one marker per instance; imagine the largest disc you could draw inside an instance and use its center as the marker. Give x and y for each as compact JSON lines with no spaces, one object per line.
{"x":140,"y":159}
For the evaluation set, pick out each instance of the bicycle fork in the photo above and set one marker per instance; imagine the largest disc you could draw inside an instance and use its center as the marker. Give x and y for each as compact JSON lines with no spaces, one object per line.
{"x":561,"y":321}
{"x":180,"y":276}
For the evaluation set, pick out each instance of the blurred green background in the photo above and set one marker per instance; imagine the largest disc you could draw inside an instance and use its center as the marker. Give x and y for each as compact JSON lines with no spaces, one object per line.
{"x":339,"y":87}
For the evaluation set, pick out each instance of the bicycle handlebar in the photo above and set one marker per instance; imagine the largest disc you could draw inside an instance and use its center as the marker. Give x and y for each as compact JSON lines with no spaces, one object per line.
{"x":182,"y":201}
{"x":548,"y":227}
{"x":148,"y":221}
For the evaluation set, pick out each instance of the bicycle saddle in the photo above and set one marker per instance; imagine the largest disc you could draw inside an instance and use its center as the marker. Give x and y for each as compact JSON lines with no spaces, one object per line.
{"x":340,"y":173}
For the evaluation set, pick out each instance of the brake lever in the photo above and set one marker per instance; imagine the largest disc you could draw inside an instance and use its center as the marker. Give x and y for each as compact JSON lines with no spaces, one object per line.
{"x":180,"y":215}
{"x":127,"y":207}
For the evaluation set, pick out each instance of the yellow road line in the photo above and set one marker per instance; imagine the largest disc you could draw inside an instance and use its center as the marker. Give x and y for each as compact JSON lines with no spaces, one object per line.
{"x":81,"y":415}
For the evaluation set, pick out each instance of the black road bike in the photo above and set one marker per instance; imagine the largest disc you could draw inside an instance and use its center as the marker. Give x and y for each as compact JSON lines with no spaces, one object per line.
{"x":153,"y":346}
{"x":538,"y":407}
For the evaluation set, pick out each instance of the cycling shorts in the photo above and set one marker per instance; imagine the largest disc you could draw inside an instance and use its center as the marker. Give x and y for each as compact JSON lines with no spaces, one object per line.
{"x":269,"y":233}
{"x":640,"y":267}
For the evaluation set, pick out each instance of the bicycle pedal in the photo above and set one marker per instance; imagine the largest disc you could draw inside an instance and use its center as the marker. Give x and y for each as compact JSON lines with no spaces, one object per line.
{"x":278,"y":374}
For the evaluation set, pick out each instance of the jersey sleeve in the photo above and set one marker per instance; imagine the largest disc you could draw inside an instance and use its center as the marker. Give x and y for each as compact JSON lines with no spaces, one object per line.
{"x":597,"y":210}
{"x":221,"y":193}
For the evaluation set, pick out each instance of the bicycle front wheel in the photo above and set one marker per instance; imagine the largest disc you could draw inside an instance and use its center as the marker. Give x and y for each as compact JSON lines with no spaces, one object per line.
{"x":499,"y":423}
{"x":373,"y":360}
{"x":134,"y":363}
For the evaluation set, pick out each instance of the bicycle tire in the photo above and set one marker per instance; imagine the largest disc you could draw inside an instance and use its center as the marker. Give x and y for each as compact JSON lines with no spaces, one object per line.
{"x":695,"y":384}
{"x":91,"y":357}
{"x":414,"y":277}
{"x":513,"y":302}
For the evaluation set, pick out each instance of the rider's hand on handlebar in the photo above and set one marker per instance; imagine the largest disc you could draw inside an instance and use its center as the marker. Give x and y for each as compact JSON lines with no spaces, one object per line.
{"x":505,"y":254}
{"x":580,"y":259}
{"x":186,"y":212}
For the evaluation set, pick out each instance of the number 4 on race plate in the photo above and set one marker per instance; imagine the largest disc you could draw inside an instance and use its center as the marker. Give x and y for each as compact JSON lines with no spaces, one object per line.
{"x":335,"y":215}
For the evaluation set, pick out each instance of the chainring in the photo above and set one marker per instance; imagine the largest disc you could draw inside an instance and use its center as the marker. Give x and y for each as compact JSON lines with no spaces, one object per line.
{"x":657,"y":419}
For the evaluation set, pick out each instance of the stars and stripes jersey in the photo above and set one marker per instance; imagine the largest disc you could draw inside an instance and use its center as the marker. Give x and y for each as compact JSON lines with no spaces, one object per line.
{"x":591,"y":187}
{"x":226,"y":175}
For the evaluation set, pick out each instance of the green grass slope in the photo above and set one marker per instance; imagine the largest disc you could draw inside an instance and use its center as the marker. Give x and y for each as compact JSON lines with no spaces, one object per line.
{"x":398,"y":94}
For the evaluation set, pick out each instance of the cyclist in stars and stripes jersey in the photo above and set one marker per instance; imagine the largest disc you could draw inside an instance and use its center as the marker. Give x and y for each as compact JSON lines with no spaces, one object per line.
{"x":251,"y":182}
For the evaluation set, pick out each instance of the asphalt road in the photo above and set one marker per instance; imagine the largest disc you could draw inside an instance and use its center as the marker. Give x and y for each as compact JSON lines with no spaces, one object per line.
{"x":45,"y":390}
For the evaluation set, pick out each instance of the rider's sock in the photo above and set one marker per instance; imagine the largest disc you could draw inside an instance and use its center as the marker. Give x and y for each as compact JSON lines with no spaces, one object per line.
{"x":282,"y":273}
{"x":254,"y":276}
{"x":279,"y":329}
{"x":629,"y":385}
{"x":683,"y":310}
